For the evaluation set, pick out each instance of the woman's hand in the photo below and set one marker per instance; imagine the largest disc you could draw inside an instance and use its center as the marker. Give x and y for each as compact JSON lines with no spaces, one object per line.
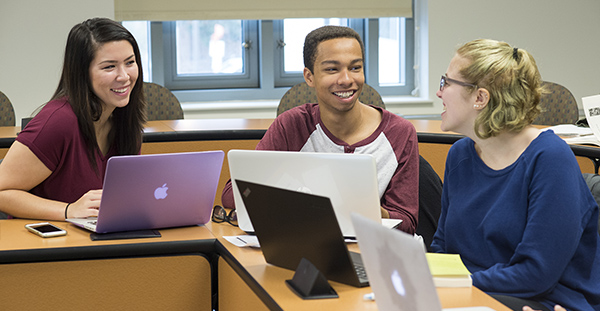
{"x":86,"y":206}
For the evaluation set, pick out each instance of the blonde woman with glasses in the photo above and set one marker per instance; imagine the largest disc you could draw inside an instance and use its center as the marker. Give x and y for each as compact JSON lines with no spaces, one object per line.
{"x":514,"y":203}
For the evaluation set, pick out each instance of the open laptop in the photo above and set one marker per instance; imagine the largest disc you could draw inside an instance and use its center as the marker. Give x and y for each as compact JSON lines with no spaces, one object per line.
{"x":397,"y":267}
{"x":292,"y":225}
{"x":156,"y":191}
{"x":349,"y":180}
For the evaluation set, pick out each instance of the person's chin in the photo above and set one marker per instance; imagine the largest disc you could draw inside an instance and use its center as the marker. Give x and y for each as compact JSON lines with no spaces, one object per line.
{"x":121,"y":103}
{"x":444,"y":126}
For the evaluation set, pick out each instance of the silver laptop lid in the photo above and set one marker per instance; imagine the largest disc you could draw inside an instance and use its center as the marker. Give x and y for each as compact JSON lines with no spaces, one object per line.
{"x":397,"y":268}
{"x":348,"y":180}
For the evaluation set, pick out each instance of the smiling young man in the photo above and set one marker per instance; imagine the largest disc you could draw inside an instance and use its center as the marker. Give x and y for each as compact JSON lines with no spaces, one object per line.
{"x":340,"y":123}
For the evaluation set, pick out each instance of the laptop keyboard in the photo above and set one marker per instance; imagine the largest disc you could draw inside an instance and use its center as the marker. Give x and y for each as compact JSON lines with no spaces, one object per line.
{"x":360,"y":271}
{"x":359,"y":268}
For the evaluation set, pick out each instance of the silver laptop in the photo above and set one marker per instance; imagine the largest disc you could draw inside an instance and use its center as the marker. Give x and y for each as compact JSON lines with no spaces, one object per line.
{"x":349,"y":180}
{"x":156,"y":191}
{"x":397,"y":268}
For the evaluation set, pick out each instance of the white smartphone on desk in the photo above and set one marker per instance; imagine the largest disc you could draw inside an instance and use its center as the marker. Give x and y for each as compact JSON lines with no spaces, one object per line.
{"x":45,"y":229}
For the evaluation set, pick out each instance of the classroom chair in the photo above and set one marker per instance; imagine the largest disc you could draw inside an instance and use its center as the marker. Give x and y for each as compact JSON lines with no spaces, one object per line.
{"x":593,"y":182}
{"x":558,"y":106}
{"x":161,"y":103}
{"x":430,"y":201}
{"x":7,"y":113}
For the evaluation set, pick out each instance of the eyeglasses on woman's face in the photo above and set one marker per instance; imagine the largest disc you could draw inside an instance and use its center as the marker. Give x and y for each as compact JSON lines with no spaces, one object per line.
{"x":444,"y":82}
{"x":220,"y":215}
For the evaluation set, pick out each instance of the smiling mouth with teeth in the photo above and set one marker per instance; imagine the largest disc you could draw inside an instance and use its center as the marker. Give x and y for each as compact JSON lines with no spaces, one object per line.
{"x":123,"y":90}
{"x":344,"y":94}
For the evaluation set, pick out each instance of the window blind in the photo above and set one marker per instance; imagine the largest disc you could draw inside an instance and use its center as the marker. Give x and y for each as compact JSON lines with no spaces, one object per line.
{"x":169,"y":10}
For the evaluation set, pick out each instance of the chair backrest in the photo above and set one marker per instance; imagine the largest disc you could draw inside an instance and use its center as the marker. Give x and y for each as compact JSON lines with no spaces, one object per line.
{"x":430,"y":201}
{"x":301,"y":94}
{"x":593,"y":182}
{"x":7,"y":113}
{"x":161,"y":103}
{"x":558,"y":106}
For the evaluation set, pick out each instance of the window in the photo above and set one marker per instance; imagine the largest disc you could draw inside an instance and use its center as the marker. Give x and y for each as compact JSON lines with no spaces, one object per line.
{"x":215,"y":54}
{"x":209,"y":47}
{"x":289,"y":35}
{"x":390,"y":57}
{"x":392,"y":51}
{"x":234,"y":59}
{"x":141,"y":32}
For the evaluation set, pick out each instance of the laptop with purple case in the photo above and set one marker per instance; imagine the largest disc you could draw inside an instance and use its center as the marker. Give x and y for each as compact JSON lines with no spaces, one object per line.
{"x":156,"y":191}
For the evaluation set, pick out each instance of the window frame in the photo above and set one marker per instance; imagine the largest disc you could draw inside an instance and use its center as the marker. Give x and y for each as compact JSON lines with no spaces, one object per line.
{"x":247,"y":79}
{"x":269,"y":65}
{"x":285,"y":79}
{"x":372,"y":59}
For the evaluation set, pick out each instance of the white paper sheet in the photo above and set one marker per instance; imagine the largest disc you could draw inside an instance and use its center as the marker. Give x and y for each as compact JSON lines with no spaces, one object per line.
{"x":591,"y":107}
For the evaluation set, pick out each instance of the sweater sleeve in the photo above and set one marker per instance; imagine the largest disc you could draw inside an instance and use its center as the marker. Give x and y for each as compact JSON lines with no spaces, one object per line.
{"x":227,"y":196}
{"x":50,"y":134}
{"x":401,"y":198}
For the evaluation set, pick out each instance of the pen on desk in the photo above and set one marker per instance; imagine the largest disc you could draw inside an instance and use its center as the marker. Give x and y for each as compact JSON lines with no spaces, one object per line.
{"x":370,"y":296}
{"x":241,"y":240}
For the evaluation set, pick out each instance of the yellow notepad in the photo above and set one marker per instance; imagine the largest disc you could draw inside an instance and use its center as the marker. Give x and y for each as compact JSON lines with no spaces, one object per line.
{"x":448,"y":270}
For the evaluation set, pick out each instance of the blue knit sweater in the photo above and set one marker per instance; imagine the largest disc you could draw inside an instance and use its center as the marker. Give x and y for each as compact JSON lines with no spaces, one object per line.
{"x":529,"y":230}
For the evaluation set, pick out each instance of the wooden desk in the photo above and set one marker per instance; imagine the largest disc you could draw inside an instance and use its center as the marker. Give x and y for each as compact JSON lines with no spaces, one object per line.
{"x":73,"y":273}
{"x":247,"y":282}
{"x":168,"y":136}
{"x":174,"y":272}
{"x":162,"y":273}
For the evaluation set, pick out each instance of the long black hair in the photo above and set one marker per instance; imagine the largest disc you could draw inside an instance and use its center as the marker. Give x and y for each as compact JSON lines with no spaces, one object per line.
{"x":76,"y":85}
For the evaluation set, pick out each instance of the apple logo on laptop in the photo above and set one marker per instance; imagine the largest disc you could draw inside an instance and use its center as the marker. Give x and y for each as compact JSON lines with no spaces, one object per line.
{"x":161,"y":192}
{"x":398,"y":284}
{"x":304,"y":189}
